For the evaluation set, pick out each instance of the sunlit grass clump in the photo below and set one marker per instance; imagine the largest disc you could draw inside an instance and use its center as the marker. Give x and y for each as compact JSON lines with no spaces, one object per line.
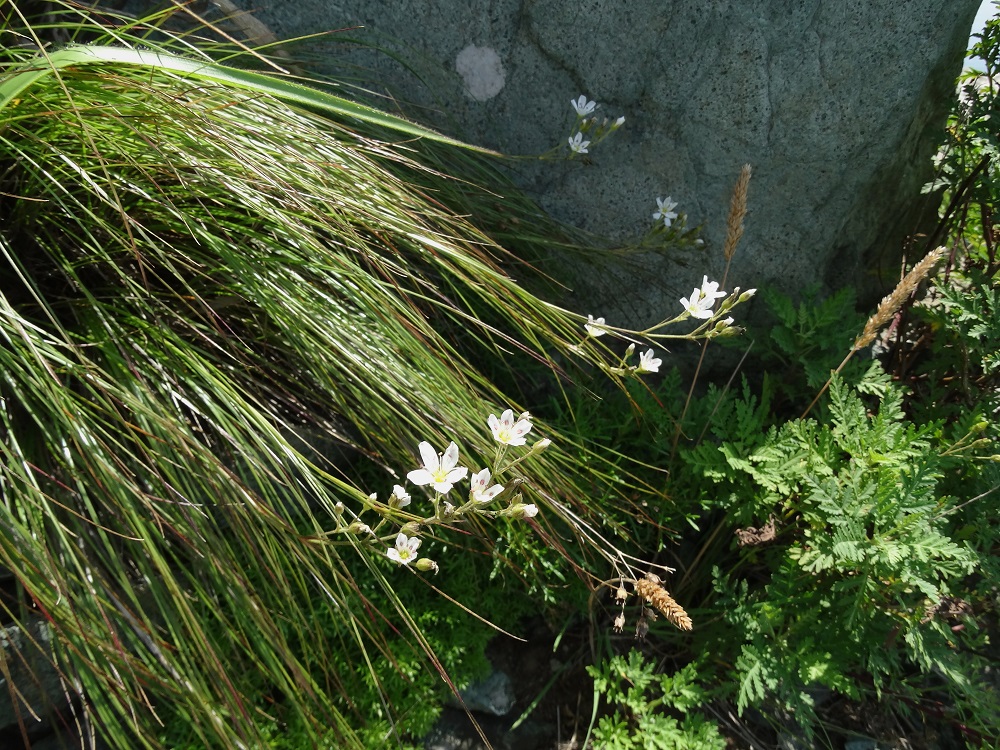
{"x":206,"y":272}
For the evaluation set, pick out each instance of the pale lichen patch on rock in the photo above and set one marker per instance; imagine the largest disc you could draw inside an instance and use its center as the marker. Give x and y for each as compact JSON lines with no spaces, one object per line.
{"x":482,"y":72}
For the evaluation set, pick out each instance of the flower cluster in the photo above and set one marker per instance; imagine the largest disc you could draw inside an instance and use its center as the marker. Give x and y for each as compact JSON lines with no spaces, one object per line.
{"x":703,"y":304}
{"x":702,"y":300}
{"x":439,"y":473}
{"x":588,"y":131}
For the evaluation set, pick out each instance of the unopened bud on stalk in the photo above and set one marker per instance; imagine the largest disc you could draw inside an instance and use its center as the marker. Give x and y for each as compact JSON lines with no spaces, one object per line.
{"x":747,"y":295}
{"x":360,"y":529}
{"x":629,"y":351}
{"x":521,"y":510}
{"x":541,"y":445}
{"x":426,"y":565}
{"x":410,"y":528}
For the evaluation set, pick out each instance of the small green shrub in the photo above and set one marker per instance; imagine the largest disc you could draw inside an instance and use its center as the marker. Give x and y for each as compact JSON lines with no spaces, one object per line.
{"x":646,"y":707}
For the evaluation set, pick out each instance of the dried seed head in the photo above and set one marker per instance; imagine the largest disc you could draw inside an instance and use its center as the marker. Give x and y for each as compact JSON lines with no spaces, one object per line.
{"x":621,"y":594}
{"x":641,"y":628}
{"x":650,"y":589}
{"x":891,"y":304}
{"x":737,"y":212}
{"x":619,"y":623}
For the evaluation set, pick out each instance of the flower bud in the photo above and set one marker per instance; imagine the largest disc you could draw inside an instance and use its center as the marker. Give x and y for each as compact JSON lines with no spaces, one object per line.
{"x":399,"y":498}
{"x":360,"y":529}
{"x":747,"y":295}
{"x":410,"y":528}
{"x":339,"y":508}
{"x":541,"y":445}
{"x":522,"y":510}
{"x":447,"y":510}
{"x":426,"y":565}
{"x":629,"y":351}
{"x":618,"y":123}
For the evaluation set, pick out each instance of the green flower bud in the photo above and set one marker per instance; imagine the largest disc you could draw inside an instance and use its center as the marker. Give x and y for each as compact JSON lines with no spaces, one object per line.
{"x":426,"y":565}
{"x":411,"y":528}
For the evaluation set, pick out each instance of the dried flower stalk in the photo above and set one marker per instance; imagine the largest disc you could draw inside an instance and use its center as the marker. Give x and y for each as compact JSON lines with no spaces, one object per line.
{"x":650,"y":589}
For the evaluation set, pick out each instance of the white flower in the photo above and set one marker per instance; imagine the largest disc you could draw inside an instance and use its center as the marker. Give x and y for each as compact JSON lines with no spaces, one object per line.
{"x":479,"y":492}
{"x":508,"y":431}
{"x":441,"y":471}
{"x":582,"y":106}
{"x":577,"y":145}
{"x":703,"y":300}
{"x":648,"y":363}
{"x":593,"y":326}
{"x":530,"y":510}
{"x":405,"y":550}
{"x":665,"y":210}
{"x":618,"y":123}
{"x":399,"y":497}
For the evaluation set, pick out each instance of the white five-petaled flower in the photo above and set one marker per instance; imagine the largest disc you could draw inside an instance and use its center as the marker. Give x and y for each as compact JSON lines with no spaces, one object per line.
{"x":399,"y":497}
{"x":507,"y":430}
{"x":577,"y":145}
{"x":665,"y":210}
{"x":405,"y":550}
{"x":441,"y":471}
{"x":594,"y":326}
{"x":480,"y":491}
{"x":703,"y":300}
{"x":582,"y":106}
{"x":649,"y":363}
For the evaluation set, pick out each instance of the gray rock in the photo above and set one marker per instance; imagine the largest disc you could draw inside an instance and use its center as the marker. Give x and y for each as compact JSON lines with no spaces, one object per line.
{"x":861,"y":743}
{"x":492,"y":695}
{"x":837,"y":105}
